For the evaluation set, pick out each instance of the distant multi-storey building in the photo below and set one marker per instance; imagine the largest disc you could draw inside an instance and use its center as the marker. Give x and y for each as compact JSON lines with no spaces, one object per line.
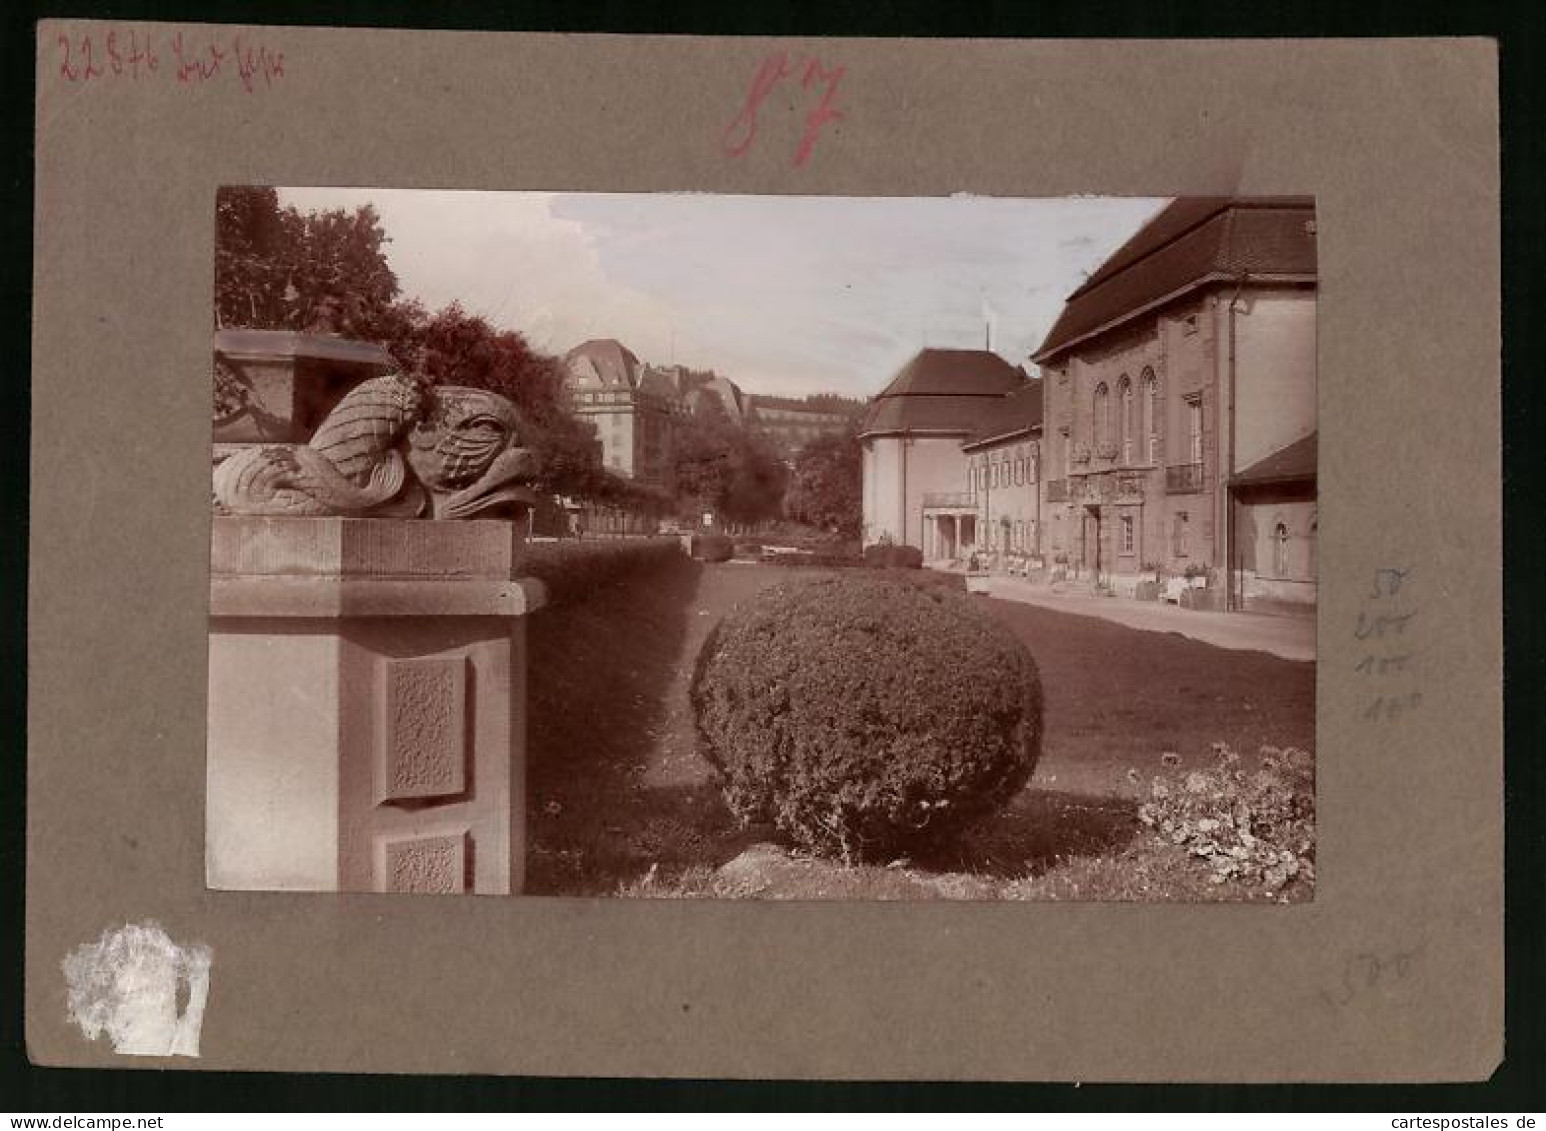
{"x":791,"y":424}
{"x":634,"y":407}
{"x":630,"y":409}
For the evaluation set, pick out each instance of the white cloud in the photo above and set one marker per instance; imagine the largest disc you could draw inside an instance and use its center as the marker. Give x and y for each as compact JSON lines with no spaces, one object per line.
{"x":784,"y":294}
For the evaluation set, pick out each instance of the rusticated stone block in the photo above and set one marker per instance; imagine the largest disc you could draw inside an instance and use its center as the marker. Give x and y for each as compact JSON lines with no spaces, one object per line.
{"x":431,"y":865}
{"x":423,"y":750}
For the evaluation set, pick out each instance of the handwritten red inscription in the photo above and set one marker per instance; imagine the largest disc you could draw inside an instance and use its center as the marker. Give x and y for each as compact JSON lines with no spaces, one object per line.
{"x":135,"y":55}
{"x":742,"y":130}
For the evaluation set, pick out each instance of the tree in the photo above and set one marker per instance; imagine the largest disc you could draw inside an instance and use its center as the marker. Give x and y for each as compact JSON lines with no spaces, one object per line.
{"x":728,"y":470}
{"x":701,"y":452}
{"x":826,"y":485}
{"x":758,"y":480}
{"x":249,"y":262}
{"x":281,"y":269}
{"x":454,"y":347}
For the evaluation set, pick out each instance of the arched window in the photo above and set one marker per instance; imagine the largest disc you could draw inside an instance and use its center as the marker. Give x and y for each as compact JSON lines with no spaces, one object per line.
{"x":1151,"y":415}
{"x":1102,"y":416}
{"x":1280,"y":550}
{"x":1194,"y":428}
{"x":1125,"y":401}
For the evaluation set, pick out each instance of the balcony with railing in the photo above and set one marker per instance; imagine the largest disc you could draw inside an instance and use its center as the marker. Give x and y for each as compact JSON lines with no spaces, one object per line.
{"x":1183,"y":479}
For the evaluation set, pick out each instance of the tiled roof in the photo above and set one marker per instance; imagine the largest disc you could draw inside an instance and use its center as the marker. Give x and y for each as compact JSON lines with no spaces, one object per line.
{"x":954,"y":373}
{"x":656,"y":381}
{"x":1192,"y":239}
{"x":1286,"y":465}
{"x":613,"y":363}
{"x":958,"y":415}
{"x":942,"y":390}
{"x":1015,"y":414}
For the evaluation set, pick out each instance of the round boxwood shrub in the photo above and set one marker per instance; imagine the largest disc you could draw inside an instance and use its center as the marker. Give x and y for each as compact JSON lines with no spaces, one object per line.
{"x":861,"y":714}
{"x":712,"y":547}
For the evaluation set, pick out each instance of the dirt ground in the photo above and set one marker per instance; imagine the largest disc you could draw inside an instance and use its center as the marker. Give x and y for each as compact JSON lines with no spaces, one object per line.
{"x":620,"y":801}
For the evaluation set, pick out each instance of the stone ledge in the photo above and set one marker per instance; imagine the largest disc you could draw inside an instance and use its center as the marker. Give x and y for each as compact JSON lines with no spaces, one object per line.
{"x":264,"y":345}
{"x":334,"y":597}
{"x":261,"y":546}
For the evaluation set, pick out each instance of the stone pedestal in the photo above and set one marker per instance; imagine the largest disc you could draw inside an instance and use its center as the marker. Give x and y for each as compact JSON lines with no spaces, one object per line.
{"x":281,"y":384}
{"x":367,"y":683}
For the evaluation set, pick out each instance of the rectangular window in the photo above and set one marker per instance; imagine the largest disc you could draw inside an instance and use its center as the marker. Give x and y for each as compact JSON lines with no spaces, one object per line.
{"x":1194,"y":429}
{"x":1127,"y":534}
{"x":1179,"y":536}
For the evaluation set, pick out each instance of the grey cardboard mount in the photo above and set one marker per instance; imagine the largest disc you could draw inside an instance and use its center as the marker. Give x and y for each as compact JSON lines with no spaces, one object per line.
{"x":1393,"y":973}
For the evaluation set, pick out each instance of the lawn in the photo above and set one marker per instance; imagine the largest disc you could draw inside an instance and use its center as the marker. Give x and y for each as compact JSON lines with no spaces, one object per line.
{"x":620,"y":802}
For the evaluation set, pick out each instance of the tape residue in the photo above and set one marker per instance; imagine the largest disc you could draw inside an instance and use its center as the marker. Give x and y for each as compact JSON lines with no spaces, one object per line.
{"x":144,"y":991}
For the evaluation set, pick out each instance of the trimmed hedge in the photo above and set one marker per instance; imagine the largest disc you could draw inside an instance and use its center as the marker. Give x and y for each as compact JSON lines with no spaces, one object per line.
{"x":712,"y":547}
{"x":571,"y":570}
{"x":862,"y":715}
{"x":888,"y":555}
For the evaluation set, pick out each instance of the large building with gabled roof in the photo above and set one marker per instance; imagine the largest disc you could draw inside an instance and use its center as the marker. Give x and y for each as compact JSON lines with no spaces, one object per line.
{"x":1180,"y":406}
{"x":1170,"y":436}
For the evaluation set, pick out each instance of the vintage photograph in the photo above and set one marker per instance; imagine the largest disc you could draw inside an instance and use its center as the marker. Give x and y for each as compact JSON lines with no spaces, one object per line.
{"x":679,"y":545}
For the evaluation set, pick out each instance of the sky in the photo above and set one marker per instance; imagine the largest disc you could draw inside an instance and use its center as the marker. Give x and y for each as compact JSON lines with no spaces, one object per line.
{"x":786,"y":295}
